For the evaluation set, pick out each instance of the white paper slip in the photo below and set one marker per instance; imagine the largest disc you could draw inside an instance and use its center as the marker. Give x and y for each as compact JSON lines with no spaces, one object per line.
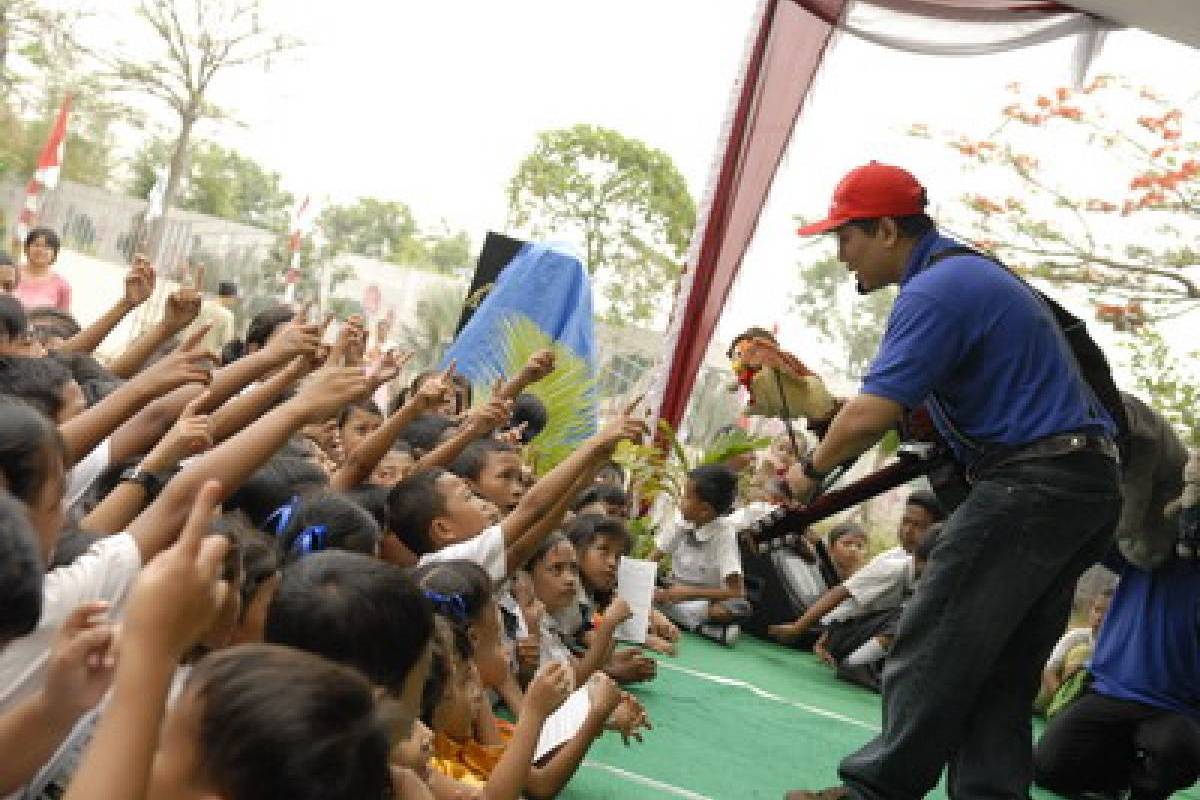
{"x":564,"y":723}
{"x":635,"y":583}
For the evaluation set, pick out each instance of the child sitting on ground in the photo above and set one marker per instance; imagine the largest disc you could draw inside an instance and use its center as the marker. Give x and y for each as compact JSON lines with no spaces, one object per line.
{"x":1071,"y":653}
{"x":705,"y":592}
{"x":600,"y":542}
{"x":847,"y":548}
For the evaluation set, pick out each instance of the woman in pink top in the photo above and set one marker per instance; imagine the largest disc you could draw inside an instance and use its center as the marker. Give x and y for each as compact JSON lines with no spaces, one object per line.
{"x":38,"y":287}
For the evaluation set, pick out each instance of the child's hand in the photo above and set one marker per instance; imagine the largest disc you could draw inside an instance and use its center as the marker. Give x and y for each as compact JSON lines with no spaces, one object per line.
{"x":436,"y":391}
{"x":661,"y":645}
{"x":617,"y":612}
{"x":662,"y":627}
{"x":624,"y":427}
{"x":294,"y":339}
{"x":665,"y":594}
{"x":631,"y":666}
{"x":178,"y":594}
{"x":182,"y":308}
{"x":540,"y":365}
{"x":80,"y":668}
{"x":547,"y":691}
{"x":188,"y":436}
{"x":139,"y":283}
{"x":484,"y":419}
{"x":190,"y":362}
{"x":329,"y":389}
{"x":821,"y":650}
{"x":603,"y":695}
{"x":629,"y":718}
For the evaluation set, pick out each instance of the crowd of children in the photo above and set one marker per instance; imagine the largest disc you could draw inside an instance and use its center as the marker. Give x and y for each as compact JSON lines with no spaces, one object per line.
{"x":325,"y":589}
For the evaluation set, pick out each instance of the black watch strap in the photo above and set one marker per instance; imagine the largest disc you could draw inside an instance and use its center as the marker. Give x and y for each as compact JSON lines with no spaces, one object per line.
{"x":149,"y":481}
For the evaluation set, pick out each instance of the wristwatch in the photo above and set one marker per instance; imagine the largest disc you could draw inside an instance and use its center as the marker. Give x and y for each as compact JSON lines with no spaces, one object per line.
{"x":810,"y":471}
{"x":150,"y":481}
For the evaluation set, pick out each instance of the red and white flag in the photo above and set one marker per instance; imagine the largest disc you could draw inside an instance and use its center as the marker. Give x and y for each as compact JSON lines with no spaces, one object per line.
{"x":45,"y":176}
{"x":301,"y":225}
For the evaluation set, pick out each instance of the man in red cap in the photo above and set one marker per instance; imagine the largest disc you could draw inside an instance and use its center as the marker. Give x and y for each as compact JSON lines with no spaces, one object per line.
{"x":984,"y":354}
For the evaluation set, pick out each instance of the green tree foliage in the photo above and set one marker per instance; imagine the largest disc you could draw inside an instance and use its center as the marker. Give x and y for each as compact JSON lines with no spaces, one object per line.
{"x":382,"y":229}
{"x":828,"y":302}
{"x":622,"y":202}
{"x":1169,"y":384}
{"x":219,"y":182}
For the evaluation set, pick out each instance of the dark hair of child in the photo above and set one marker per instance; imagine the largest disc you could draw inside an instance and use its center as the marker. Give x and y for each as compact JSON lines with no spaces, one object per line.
{"x":279,"y":723}
{"x":586,"y":528}
{"x":928,"y":501}
{"x":21,"y":571}
{"x":425,"y":432}
{"x":716,"y":485}
{"x":601,"y":493}
{"x":927,"y":542}
{"x":373,"y":500}
{"x":265,"y":322}
{"x":13,"y":322}
{"x":273,"y":485}
{"x":412,"y":505}
{"x":28,"y":440}
{"x":549,"y":543}
{"x":473,"y":458}
{"x":366,"y":404}
{"x":260,"y":560}
{"x":447,"y":643}
{"x":460,"y":591}
{"x":324,"y":520}
{"x":530,"y":410}
{"x":845,"y":529}
{"x":231,"y":351}
{"x":353,"y":609}
{"x":49,"y":322}
{"x":49,"y":234}
{"x":749,"y":333}
{"x":612,"y":473}
{"x":37,"y":381}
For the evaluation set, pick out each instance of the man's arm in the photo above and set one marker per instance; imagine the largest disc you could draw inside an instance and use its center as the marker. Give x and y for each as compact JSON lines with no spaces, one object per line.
{"x":539,"y":365}
{"x":860,"y":424}
{"x":732,"y":590}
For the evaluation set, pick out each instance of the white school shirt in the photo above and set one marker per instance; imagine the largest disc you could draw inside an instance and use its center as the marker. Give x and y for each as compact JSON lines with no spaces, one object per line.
{"x":486,"y":550}
{"x":105,"y":572}
{"x":882,"y":584}
{"x":84,"y":473}
{"x":703,"y":556}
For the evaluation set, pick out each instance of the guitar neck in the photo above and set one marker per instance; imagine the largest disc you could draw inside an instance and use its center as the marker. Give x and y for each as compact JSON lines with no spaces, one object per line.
{"x":784,"y":523}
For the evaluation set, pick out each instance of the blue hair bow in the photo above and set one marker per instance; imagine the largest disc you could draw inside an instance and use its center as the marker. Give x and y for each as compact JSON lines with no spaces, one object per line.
{"x":450,"y":604}
{"x":278,"y":521}
{"x":311,"y":540}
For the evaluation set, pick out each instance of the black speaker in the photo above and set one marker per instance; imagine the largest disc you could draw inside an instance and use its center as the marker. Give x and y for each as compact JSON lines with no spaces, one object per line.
{"x":497,"y":253}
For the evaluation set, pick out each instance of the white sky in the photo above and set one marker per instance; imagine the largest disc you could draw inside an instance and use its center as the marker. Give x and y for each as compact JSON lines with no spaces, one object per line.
{"x":435,"y":103}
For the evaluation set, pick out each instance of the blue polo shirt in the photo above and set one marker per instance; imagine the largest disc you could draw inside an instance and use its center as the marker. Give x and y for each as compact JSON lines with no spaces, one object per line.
{"x":1148,"y":650}
{"x":972,"y":332}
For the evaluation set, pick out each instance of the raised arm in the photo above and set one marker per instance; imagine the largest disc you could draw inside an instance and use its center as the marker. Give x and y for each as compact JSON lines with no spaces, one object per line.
{"x":538,"y":501}
{"x":234,"y":460}
{"x":479,"y":422}
{"x":187,"y":364}
{"x":539,"y":365}
{"x":139,"y":285}
{"x":182,"y":307}
{"x":293,"y":340}
{"x":246,"y":407}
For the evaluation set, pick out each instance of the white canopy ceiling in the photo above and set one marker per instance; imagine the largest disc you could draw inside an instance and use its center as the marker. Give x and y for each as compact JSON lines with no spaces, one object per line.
{"x":1173,"y":19}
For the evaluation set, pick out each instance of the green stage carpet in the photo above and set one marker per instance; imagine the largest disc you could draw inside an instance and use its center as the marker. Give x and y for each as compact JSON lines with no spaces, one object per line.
{"x":733,"y":724}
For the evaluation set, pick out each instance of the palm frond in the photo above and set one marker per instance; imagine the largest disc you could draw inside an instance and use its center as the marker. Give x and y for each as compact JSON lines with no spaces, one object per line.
{"x":732,"y":444}
{"x":569,"y":393}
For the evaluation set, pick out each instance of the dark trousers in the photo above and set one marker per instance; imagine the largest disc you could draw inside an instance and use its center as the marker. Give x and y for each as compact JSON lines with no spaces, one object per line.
{"x":1103,"y":744}
{"x":961,"y":677}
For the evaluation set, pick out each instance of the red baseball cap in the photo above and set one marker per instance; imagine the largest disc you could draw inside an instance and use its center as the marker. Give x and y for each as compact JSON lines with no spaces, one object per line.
{"x":869,"y":192}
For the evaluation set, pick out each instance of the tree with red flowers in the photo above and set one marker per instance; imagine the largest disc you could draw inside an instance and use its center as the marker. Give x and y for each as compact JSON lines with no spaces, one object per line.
{"x":1098,"y":187}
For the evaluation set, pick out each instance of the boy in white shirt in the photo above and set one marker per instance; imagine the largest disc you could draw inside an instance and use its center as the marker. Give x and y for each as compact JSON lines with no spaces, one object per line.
{"x":706,"y":592}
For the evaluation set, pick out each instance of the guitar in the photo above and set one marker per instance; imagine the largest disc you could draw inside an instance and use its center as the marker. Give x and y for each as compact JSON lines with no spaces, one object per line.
{"x":784,"y":526}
